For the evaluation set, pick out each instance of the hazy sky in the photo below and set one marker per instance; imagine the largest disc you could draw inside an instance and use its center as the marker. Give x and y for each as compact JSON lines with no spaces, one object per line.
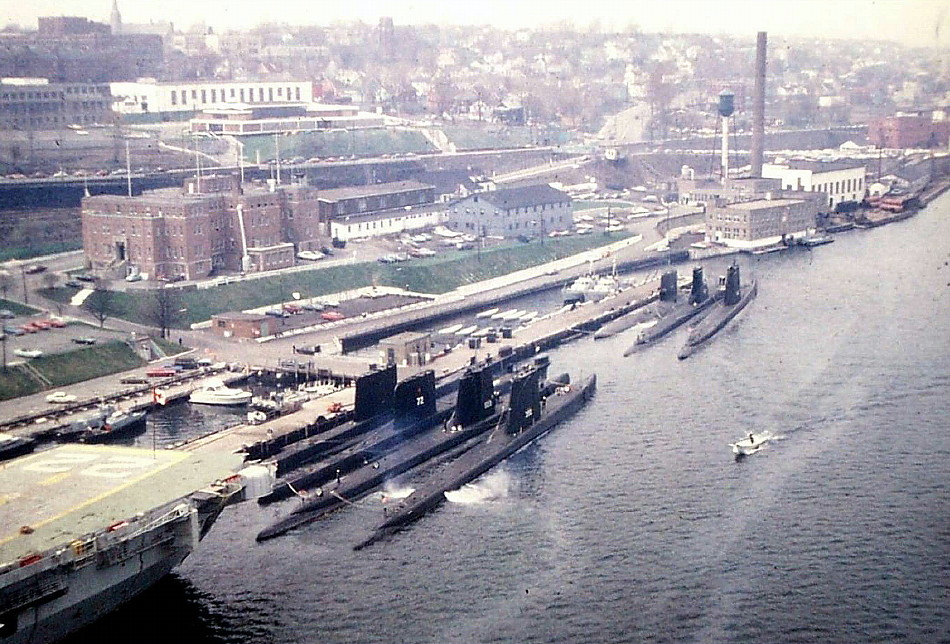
{"x":920,"y":22}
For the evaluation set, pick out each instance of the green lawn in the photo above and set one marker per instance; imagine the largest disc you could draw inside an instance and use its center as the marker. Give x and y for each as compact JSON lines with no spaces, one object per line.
{"x":17,"y":308}
{"x":431,"y":275}
{"x":71,"y":367}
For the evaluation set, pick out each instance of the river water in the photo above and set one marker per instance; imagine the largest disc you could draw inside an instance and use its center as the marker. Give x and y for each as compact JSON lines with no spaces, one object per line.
{"x":632,"y":522}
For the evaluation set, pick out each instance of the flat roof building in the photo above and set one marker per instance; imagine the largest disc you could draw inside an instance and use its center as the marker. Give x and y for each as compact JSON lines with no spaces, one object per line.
{"x":842,"y":182}
{"x":760,"y":222}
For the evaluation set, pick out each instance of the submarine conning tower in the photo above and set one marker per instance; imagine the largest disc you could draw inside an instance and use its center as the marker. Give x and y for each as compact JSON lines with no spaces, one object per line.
{"x":698,"y":292}
{"x":524,"y":407}
{"x":374,"y":393}
{"x":733,"y":294}
{"x":414,"y":398}
{"x":668,"y":286}
{"x":476,"y":396}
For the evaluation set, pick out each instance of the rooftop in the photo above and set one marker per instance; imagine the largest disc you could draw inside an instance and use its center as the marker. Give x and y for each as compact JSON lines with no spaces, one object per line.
{"x":508,"y":198}
{"x":763,"y":203}
{"x":372,"y":190}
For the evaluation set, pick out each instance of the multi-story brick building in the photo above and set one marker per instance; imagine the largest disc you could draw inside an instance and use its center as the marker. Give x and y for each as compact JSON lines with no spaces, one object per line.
{"x":510,"y":212}
{"x":212,"y":223}
{"x":917,"y":130}
{"x":761,"y":222}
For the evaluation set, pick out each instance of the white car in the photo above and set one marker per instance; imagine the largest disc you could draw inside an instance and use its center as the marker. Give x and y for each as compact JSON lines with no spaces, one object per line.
{"x":27,"y":353}
{"x":310,"y":255}
{"x":60,"y":398}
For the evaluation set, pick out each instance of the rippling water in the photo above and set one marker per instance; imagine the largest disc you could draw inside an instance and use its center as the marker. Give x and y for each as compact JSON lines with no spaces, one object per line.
{"x":632,"y":522}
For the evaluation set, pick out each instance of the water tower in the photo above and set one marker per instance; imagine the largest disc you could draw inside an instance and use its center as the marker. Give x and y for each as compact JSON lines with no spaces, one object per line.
{"x":727,"y":105}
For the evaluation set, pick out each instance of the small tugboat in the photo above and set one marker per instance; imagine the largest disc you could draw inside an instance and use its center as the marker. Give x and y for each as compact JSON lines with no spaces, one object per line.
{"x":12,"y":446}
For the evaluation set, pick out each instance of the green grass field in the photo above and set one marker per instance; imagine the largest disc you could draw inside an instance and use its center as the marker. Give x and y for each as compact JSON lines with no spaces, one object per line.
{"x":68,"y":368}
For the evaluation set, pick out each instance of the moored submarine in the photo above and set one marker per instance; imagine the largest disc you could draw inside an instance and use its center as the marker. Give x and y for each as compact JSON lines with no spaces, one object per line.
{"x":733,"y":300}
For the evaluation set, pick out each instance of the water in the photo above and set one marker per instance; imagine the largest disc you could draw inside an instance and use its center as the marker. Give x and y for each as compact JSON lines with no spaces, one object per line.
{"x":632,"y":522}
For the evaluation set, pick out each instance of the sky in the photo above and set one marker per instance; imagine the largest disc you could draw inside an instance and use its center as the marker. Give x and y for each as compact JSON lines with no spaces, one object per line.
{"x":911,"y":22}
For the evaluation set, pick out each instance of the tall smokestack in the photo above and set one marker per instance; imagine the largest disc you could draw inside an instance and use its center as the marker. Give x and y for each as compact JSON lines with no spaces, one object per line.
{"x":758,"y":104}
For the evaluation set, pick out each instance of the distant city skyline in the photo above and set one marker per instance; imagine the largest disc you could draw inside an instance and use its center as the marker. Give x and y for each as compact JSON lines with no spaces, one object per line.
{"x":910,"y":22}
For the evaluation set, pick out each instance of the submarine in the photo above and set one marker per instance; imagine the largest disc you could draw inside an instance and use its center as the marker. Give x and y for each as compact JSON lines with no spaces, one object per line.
{"x":673,"y":314}
{"x":532,"y":411}
{"x":475,"y":412}
{"x":732,"y":302}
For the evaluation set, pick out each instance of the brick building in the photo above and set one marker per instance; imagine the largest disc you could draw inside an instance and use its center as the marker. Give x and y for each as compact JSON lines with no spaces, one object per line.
{"x":920,"y":130}
{"x":531,"y":210}
{"x":761,"y":222}
{"x":211,"y":223}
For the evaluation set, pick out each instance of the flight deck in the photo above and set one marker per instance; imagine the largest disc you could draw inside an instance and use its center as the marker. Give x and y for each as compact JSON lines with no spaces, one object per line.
{"x":53,"y":497}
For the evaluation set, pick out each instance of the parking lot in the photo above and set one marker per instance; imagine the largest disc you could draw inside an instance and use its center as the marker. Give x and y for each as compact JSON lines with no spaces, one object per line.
{"x":49,"y":335}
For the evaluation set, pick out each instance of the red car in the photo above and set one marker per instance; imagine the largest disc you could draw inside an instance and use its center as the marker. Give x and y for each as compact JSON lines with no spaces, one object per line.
{"x":42,"y":325}
{"x":57,"y":324}
{"x":28,"y":328}
{"x":332,"y":316}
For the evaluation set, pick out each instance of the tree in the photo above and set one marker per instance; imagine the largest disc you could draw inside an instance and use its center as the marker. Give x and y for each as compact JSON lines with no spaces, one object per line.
{"x":101,"y":303}
{"x":49,"y":281}
{"x":165,"y":308}
{"x":6,"y":282}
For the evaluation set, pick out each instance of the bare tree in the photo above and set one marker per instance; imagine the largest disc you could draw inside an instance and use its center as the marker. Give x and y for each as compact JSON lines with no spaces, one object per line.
{"x":166,"y":306}
{"x":101,"y":303}
{"x":6,"y":282}
{"x":50,"y":280}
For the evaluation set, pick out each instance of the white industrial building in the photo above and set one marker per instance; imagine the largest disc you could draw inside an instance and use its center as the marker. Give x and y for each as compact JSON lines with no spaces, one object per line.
{"x":841,"y":181}
{"x":387,"y":222}
{"x":147,"y":96}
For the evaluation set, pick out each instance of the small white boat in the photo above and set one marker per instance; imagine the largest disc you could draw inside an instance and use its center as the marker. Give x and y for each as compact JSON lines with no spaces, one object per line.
{"x":488,"y":313}
{"x":215,"y":392}
{"x":481,"y":333}
{"x":467,"y":331}
{"x":527,"y":317}
{"x":748,"y":445}
{"x":513,"y":315}
{"x":503,"y":315}
{"x":451,"y":330}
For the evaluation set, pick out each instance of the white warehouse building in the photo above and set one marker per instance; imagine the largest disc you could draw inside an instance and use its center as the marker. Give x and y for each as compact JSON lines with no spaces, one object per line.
{"x":387,"y":222}
{"x":841,"y":181}
{"x":148,"y":96}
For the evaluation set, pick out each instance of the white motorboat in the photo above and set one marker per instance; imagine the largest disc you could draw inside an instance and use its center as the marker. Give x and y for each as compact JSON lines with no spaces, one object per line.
{"x":488,"y":313}
{"x":215,"y":392}
{"x":467,"y":331}
{"x":503,"y":315}
{"x":451,"y":330}
{"x":749,"y":445}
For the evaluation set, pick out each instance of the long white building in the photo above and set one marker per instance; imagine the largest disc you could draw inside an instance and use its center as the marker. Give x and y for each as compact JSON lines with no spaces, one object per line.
{"x":154,"y":97}
{"x":841,"y":181}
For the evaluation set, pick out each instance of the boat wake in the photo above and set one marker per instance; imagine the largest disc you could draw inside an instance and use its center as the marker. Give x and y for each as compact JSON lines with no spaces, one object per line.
{"x":494,"y":485}
{"x":394,"y":492}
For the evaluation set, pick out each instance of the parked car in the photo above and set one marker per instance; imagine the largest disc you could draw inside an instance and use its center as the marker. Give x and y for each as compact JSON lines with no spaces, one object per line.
{"x":60,"y":398}
{"x":277,"y":313}
{"x":73,"y":284}
{"x":133,"y":380}
{"x":12,"y":330}
{"x":7,"y":314}
{"x":86,"y":277}
{"x":33,"y":269}
{"x":332,"y":316}
{"x":27,"y":353}
{"x":84,"y":340}
{"x":293,"y":309}
{"x":310,"y":255}
{"x":56,"y":323}
{"x":42,"y":325}
{"x":28,"y":328}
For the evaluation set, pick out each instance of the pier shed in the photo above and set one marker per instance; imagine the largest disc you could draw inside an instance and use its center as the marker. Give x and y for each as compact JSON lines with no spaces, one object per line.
{"x":243,"y":325}
{"x":407,"y":348}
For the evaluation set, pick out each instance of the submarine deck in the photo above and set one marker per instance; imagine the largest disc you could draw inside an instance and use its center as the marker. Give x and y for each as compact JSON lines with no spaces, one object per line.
{"x":70,"y":491}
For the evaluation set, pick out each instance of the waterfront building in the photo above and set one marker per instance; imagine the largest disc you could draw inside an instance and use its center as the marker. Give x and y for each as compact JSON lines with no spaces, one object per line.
{"x":842,"y":182}
{"x":355,"y":200}
{"x":511,"y":212}
{"x":926,"y":129}
{"x":387,"y":222}
{"x":211,"y":223}
{"x":38,"y":104}
{"x":761,"y":222}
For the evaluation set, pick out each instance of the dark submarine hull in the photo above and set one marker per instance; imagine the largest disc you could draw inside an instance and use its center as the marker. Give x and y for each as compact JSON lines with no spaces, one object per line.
{"x":482,"y":457}
{"x":677,"y":317}
{"x":715,"y":321}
